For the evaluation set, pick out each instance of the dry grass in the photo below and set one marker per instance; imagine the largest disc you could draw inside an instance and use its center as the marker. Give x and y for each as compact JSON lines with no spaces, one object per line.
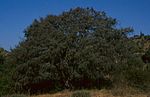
{"x":65,"y":93}
{"x":108,"y":93}
{"x":98,"y":93}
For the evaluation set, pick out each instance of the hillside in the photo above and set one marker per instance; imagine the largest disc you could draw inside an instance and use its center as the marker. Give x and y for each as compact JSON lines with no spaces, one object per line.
{"x":143,"y":42}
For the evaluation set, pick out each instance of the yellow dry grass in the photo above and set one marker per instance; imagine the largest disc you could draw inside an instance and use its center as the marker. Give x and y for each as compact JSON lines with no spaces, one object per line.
{"x":105,"y":93}
{"x":94,"y":93}
{"x":59,"y":94}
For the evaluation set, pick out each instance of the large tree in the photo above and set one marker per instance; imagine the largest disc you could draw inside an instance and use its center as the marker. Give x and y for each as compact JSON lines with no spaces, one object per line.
{"x":81,"y":43}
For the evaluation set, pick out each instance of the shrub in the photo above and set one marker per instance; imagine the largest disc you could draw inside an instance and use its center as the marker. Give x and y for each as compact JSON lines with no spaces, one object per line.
{"x":139,"y":79}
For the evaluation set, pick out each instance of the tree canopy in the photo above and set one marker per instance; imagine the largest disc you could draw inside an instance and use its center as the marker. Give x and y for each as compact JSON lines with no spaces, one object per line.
{"x":81,"y":43}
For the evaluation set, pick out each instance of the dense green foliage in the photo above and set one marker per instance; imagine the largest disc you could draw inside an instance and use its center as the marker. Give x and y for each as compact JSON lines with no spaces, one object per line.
{"x":2,"y":56}
{"x":81,"y":48}
{"x":81,"y":43}
{"x":139,"y":75}
{"x":4,"y":73}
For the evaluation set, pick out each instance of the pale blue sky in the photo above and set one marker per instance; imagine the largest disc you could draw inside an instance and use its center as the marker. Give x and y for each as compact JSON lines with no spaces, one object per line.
{"x":16,"y":15}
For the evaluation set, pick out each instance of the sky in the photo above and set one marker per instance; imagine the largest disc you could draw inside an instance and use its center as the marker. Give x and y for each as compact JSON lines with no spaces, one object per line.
{"x":16,"y":15}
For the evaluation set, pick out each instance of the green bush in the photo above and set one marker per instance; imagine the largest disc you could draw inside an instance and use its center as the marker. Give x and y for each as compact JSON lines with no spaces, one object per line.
{"x":81,"y":93}
{"x":139,"y":79}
